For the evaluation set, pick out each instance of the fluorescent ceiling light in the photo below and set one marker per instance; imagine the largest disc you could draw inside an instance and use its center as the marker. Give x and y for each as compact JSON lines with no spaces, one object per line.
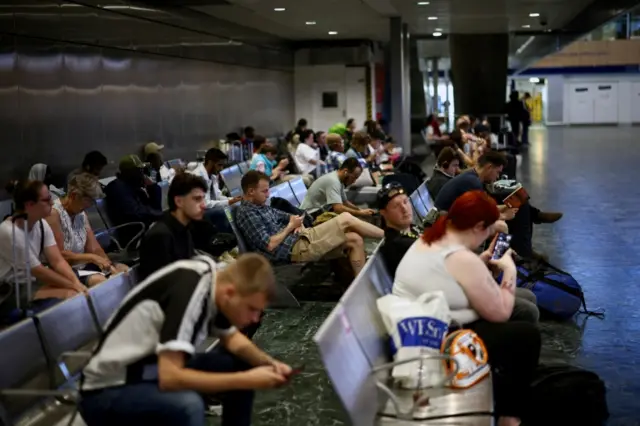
{"x":432,"y":18}
{"x":438,"y":30}
{"x":526,"y":26}
{"x":310,"y":22}
{"x":279,"y":9}
{"x":534,"y":15}
{"x":333,"y":33}
{"x":437,"y":34}
{"x":534,"y":80}
{"x":423,"y":3}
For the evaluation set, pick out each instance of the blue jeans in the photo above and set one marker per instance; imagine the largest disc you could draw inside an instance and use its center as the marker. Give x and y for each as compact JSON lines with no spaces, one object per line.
{"x":218,"y":218}
{"x":144,"y":403}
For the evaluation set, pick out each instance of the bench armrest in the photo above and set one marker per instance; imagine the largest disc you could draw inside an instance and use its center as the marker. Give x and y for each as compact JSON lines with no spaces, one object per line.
{"x":133,"y":241}
{"x":408,"y":415}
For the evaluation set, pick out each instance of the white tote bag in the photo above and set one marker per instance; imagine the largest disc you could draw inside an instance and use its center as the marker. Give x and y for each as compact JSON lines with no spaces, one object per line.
{"x":416,"y":327}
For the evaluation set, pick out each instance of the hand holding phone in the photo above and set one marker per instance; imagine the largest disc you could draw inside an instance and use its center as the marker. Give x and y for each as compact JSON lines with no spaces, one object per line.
{"x":503,"y":241}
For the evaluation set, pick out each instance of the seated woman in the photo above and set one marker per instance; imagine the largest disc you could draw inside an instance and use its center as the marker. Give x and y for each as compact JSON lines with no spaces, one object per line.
{"x":73,"y":234}
{"x":42,"y":172}
{"x":265,"y":161}
{"x":445,"y":254}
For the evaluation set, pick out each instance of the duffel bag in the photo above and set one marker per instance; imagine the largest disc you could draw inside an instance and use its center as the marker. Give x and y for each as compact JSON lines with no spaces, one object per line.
{"x":558,"y":294}
{"x":566,"y":395}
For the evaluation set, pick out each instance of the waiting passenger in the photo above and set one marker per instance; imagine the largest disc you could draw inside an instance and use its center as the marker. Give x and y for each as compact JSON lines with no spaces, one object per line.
{"x":258,"y":142}
{"x":73,"y":234}
{"x":327,"y":192}
{"x":306,"y":155}
{"x":321,"y":142}
{"x":281,"y":237}
{"x":265,"y":162}
{"x":43,"y":173}
{"x":215,"y":202}
{"x":336,"y":154}
{"x":93,"y":163}
{"x":170,"y":239}
{"x":360,"y":148}
{"x":445,"y":254}
{"x":153,"y":156}
{"x":157,"y":378}
{"x":57,"y":281}
{"x":300,"y":127}
{"x":400,"y":234}
{"x":488,"y":169}
{"x":128,"y":201}
{"x":447,"y":167}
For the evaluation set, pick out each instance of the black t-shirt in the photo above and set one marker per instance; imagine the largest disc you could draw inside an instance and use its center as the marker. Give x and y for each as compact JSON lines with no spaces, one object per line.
{"x":395,"y":246}
{"x":464,"y":182}
{"x":168,"y":240}
{"x":437,"y":182}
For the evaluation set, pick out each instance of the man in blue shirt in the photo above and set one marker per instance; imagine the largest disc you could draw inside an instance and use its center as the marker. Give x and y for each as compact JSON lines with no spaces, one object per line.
{"x":487,"y":171}
{"x":282,"y":237}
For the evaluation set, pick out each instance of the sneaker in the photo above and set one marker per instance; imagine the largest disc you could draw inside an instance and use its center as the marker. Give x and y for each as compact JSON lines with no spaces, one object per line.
{"x":213,"y":408}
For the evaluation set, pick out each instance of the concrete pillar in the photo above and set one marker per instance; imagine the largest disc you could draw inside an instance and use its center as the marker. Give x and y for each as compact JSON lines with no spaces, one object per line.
{"x":479,"y":73}
{"x":399,"y":121}
{"x":435,"y":71}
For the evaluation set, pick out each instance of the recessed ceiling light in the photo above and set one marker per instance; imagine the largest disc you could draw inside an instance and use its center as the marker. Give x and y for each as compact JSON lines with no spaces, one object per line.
{"x":432,"y":18}
{"x":333,"y":33}
{"x":526,"y":26}
{"x":279,"y":9}
{"x":423,"y":3}
{"x":534,"y":15}
{"x":310,"y":22}
{"x":437,"y":34}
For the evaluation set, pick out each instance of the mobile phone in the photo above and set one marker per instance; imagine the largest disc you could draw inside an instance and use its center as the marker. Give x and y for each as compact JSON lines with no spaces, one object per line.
{"x":502,"y":245}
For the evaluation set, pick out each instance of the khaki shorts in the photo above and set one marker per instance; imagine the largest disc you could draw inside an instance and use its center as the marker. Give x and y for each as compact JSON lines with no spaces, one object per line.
{"x":324,"y":241}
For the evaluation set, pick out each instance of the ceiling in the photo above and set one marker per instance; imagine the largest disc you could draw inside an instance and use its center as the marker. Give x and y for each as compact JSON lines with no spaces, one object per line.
{"x":368,"y":19}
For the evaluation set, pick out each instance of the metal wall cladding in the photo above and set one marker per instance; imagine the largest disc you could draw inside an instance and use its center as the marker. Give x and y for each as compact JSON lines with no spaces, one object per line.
{"x":61,"y":98}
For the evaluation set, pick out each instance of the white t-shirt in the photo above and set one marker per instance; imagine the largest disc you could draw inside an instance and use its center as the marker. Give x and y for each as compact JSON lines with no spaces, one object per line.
{"x":304,"y":153}
{"x":6,"y":248}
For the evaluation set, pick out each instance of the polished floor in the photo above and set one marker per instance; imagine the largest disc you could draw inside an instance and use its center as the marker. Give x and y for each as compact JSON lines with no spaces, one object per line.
{"x":592,"y":175}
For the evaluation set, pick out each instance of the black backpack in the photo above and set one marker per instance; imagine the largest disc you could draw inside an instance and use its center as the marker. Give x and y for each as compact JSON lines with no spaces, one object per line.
{"x":566,"y":395}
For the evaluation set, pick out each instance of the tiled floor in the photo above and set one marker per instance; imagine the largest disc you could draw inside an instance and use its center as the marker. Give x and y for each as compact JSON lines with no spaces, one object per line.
{"x":592,"y":175}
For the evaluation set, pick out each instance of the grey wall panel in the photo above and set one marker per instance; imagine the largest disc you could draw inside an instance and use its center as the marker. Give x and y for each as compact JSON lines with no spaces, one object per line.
{"x":58,"y":102}
{"x":555,"y":99}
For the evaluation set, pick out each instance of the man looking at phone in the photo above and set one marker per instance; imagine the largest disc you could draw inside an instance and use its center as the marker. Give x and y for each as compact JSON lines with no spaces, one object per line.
{"x":146,"y":371}
{"x":400,"y":234}
{"x":328,"y":190}
{"x":282,"y":237}
{"x":487,"y":170}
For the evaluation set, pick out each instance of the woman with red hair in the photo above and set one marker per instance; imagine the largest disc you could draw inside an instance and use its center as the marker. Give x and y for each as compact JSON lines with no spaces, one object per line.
{"x":444,"y":260}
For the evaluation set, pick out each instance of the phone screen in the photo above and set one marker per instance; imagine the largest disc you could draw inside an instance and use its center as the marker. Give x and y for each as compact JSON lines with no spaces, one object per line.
{"x":502,"y":245}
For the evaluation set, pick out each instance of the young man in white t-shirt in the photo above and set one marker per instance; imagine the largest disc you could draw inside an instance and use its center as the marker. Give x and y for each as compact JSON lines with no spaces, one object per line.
{"x":33,"y":203}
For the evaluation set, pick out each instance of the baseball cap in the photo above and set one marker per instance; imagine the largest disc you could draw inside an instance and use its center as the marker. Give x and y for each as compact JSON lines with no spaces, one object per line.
{"x":152,"y":148}
{"x":129,"y":162}
{"x":388,"y":193}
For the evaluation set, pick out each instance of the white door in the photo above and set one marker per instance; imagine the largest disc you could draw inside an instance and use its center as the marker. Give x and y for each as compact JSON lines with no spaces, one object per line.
{"x":329,"y":104}
{"x":356,"y":88}
{"x":605,"y":103}
{"x":581,"y":98}
{"x":635,"y":102}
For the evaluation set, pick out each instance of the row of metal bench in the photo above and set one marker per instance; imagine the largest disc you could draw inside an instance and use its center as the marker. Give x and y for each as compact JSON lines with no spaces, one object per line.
{"x":354,"y":346}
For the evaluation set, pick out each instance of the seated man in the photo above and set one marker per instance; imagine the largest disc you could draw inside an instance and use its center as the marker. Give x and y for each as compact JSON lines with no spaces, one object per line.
{"x":400,"y":234}
{"x":58,"y":281}
{"x":215,"y":202}
{"x":157,"y":378}
{"x":282,"y":237}
{"x":336,"y":156}
{"x":447,"y":167}
{"x":128,"y":199}
{"x":169,"y":239}
{"x":93,"y":163}
{"x":328,"y":190}
{"x":488,"y":169}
